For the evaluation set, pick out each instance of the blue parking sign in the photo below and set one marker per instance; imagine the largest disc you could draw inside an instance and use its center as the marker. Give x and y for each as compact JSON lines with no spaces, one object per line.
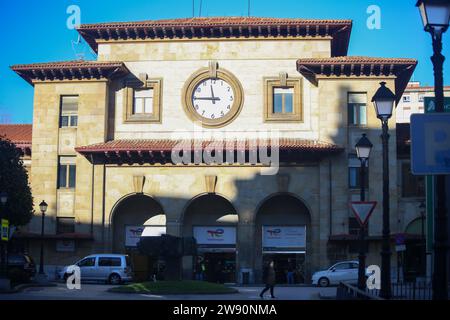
{"x":430,"y":143}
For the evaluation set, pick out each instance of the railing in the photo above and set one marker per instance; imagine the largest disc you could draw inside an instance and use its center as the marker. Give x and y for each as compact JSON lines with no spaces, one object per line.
{"x":412,"y":291}
{"x":348,"y":292}
{"x":399,"y":291}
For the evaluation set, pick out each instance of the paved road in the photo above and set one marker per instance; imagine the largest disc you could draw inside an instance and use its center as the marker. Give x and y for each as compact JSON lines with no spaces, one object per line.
{"x":99,"y":292}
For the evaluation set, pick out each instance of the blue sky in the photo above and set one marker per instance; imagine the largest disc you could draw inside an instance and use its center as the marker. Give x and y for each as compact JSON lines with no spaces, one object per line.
{"x":35,"y":31}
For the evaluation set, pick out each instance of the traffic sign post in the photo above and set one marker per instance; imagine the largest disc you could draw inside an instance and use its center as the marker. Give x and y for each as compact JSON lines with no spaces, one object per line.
{"x":430,"y":155}
{"x":430,"y":143}
{"x":363,"y":210}
{"x":430,"y":107}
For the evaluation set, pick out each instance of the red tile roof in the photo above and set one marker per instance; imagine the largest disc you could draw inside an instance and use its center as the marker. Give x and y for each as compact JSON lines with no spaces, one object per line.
{"x":412,"y":88}
{"x":68,"y":64}
{"x":19,"y":134}
{"x":355,"y":60}
{"x":169,"y":145}
{"x":401,"y":68}
{"x":77,"y":69}
{"x":221,"y":27}
{"x":217,"y":21}
{"x":160,"y":151}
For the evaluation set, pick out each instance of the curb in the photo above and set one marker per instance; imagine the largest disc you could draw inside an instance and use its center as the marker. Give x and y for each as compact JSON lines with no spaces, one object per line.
{"x":172,"y":294}
{"x":23,"y":286}
{"x":325,"y":297}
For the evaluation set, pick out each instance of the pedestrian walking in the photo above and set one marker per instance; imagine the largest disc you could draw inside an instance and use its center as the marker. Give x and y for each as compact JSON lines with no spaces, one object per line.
{"x":290,"y":272}
{"x":269,"y":279}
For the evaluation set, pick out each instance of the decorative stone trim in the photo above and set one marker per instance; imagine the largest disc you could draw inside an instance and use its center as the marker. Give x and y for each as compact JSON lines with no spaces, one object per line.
{"x":210,"y":183}
{"x":128,"y":101}
{"x":138,"y":183}
{"x":283,"y":81}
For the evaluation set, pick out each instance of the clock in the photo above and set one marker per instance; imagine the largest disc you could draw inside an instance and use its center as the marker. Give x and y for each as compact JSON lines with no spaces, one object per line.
{"x":214,"y":101}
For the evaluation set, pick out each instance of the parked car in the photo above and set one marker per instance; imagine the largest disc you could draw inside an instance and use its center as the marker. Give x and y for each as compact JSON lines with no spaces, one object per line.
{"x":112,"y":268}
{"x":345,"y":271}
{"x":21,"y":267}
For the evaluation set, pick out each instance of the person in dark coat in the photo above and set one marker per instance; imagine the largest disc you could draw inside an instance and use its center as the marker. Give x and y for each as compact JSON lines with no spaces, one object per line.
{"x":269,"y":280}
{"x":290,"y":272}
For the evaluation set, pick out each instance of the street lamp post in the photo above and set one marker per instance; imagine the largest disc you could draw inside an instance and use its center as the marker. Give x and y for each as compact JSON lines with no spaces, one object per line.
{"x":43,"y":206}
{"x":363,"y":148}
{"x":384,"y":100}
{"x":435,"y":17}
{"x":3,"y":271}
{"x":422,"y":209}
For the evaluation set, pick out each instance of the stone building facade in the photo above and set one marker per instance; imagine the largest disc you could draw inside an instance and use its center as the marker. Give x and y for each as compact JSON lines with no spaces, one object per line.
{"x":414,"y":99}
{"x":107,"y":134}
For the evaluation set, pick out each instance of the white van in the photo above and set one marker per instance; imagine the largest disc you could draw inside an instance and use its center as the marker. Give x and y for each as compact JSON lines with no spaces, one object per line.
{"x":112,"y":268}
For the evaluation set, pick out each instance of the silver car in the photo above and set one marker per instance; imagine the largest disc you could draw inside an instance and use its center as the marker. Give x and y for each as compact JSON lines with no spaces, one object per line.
{"x":345,"y":271}
{"x":112,"y":268}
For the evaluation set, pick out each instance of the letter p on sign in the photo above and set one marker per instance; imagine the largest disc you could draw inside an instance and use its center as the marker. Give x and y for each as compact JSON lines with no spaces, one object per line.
{"x":430,"y":143}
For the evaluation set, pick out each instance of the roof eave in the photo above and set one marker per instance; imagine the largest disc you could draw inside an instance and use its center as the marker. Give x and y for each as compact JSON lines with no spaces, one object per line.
{"x":339,"y":29}
{"x":338,"y":67}
{"x":70,"y":71}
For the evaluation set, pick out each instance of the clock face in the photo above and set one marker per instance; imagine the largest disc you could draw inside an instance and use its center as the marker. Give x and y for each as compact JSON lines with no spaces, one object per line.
{"x":213,"y":98}
{"x":212,"y":101}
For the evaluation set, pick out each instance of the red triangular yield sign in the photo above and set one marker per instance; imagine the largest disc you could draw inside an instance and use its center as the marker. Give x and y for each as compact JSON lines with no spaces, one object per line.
{"x":363,"y":210}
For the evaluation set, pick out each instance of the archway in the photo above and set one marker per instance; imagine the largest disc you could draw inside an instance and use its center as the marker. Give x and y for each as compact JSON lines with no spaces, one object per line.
{"x":132,"y":217}
{"x":212,"y":220}
{"x":283,"y":224}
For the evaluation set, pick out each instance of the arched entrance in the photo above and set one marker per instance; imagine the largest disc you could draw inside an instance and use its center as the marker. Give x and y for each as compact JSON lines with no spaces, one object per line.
{"x":132,"y":217}
{"x":283,"y":225}
{"x":211,"y":220}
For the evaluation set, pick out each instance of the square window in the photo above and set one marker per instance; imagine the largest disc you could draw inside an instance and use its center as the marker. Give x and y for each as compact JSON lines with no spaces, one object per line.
{"x":412,"y":186}
{"x":142,"y":103}
{"x":354,"y":174}
{"x":357,"y":109}
{"x":68,"y":111}
{"x":65,"y":225}
{"x":282,"y":101}
{"x":66,"y":172}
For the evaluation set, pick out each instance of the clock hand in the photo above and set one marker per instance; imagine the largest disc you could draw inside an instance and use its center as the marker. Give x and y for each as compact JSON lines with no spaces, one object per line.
{"x":212,"y":94}
{"x":205,"y":98}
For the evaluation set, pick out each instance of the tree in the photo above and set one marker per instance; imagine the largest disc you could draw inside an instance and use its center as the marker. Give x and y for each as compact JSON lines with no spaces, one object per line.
{"x":14,"y":181}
